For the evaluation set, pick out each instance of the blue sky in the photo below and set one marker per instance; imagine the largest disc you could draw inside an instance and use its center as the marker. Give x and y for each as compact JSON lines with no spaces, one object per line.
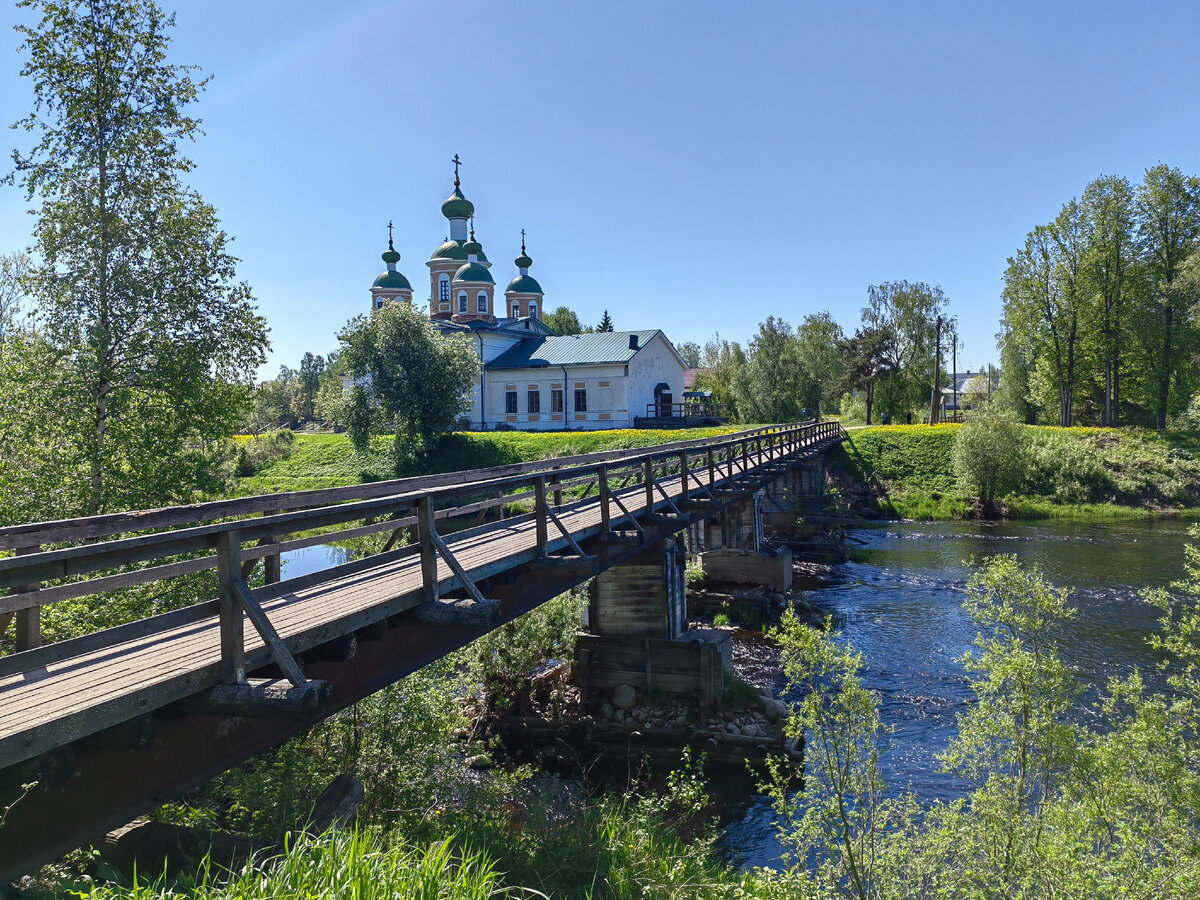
{"x":689,"y":166}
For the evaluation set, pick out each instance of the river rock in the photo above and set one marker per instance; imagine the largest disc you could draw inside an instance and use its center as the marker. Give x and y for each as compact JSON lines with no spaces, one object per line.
{"x":606,"y":711}
{"x":774,"y":709}
{"x":624,"y":696}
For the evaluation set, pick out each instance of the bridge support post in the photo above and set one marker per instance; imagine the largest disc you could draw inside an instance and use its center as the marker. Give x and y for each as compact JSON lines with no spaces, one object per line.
{"x":425,"y":531}
{"x":29,"y":621}
{"x":233,"y":649}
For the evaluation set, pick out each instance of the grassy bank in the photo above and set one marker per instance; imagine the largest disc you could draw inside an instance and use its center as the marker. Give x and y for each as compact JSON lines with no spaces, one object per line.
{"x":1087,"y":473}
{"x":328,"y":460}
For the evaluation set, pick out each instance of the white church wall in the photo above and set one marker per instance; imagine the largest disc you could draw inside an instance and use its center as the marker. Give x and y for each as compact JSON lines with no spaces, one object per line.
{"x":656,"y":363}
{"x":602,"y":385}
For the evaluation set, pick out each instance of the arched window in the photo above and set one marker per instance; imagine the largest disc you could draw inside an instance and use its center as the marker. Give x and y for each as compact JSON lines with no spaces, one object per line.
{"x":462,"y":301}
{"x":444,"y":288}
{"x":481,"y":301}
{"x":532,"y":310}
{"x":516,"y":310}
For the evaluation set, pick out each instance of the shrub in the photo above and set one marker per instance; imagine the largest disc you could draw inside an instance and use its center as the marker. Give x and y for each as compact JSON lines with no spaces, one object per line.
{"x":987,"y":456}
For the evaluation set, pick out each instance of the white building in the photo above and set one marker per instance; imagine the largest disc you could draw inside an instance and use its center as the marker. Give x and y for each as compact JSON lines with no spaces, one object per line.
{"x":531,"y":378}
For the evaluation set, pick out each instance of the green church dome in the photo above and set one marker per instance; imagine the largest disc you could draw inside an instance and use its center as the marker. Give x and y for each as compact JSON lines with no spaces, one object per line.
{"x":450,"y":250}
{"x":455,"y":250}
{"x":392,"y":281}
{"x":456,"y":206}
{"x":473,"y":247}
{"x":473,"y":272}
{"x":390,"y":256}
{"x":523,"y":261}
{"x":525,"y":284}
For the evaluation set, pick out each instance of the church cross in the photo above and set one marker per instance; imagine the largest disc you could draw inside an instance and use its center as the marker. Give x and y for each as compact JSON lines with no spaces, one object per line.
{"x":522,"y":240}
{"x":457,"y":162}
{"x":390,"y":235}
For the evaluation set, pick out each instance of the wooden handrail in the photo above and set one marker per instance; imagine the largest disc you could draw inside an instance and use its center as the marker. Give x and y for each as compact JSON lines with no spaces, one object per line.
{"x":85,"y":528}
{"x":26,"y":573}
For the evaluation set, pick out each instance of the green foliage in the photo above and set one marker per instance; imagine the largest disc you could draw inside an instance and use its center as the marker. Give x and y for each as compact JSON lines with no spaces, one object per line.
{"x":835,"y":824}
{"x":411,"y":382}
{"x":563,"y":320}
{"x":260,"y":451}
{"x":365,"y":865}
{"x":606,"y":323}
{"x":134,"y":287}
{"x":1080,"y":472}
{"x":503,"y":660}
{"x":988,"y":456}
{"x":1096,"y":327}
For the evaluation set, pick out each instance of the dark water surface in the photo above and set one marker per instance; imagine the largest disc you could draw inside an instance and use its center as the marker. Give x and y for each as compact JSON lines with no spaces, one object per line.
{"x":899,"y":601}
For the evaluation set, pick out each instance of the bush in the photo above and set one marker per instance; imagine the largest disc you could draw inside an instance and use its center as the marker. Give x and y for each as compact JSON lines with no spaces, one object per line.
{"x":988,"y":456}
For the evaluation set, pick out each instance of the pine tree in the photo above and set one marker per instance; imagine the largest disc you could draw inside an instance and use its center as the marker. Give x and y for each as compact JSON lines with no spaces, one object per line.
{"x":606,"y":322}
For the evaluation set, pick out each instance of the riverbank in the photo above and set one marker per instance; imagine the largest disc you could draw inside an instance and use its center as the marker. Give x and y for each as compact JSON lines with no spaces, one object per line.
{"x":907,"y":471}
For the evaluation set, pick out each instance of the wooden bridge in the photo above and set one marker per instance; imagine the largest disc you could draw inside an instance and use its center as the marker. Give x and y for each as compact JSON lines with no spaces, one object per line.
{"x":113,"y":723}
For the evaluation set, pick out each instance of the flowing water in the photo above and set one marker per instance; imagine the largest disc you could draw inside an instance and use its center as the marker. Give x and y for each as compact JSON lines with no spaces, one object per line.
{"x":899,"y":601}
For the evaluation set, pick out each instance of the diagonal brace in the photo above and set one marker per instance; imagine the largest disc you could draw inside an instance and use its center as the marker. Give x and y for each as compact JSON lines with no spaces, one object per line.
{"x":621,"y":506}
{"x":570,"y":538}
{"x":456,"y":567}
{"x":279,"y":651}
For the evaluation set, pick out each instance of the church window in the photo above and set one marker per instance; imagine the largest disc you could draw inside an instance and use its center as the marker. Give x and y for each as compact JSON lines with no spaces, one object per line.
{"x":556,"y":399}
{"x":533,"y":310}
{"x":444,"y":289}
{"x":462,"y":302}
{"x":581,"y":400}
{"x":534,"y":400}
{"x":510,"y":402}
{"x":516,"y":311}
{"x":481,"y":301}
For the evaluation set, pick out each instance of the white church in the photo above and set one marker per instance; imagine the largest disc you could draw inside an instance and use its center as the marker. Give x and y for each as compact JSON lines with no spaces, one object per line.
{"x":530,"y":377}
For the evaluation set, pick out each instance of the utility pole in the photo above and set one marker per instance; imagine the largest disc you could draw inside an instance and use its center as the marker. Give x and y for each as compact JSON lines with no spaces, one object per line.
{"x":937,"y":364}
{"x":954,"y":353}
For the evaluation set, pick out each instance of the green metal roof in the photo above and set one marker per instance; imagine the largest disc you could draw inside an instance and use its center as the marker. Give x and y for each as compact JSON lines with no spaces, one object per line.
{"x":393,"y":280}
{"x":572,"y":350}
{"x":474,"y":272}
{"x":525,"y":284}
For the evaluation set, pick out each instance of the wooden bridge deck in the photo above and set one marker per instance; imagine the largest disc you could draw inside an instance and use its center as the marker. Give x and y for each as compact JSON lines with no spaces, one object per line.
{"x":65,"y":700}
{"x":72,"y":695}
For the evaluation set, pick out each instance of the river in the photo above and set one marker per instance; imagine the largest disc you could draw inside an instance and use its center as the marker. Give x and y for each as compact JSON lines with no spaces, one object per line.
{"x":899,"y":601}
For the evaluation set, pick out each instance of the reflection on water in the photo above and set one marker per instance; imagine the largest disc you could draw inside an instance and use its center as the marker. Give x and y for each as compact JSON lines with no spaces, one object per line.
{"x":899,"y":601}
{"x":313,"y":559}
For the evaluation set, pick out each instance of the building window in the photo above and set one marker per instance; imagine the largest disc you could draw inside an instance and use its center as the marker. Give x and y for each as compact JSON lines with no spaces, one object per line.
{"x":581,"y":400}
{"x":556,"y":400}
{"x":534,"y":399}
{"x":462,"y":302}
{"x":444,"y":289}
{"x":533,"y":310}
{"x":481,"y":301}
{"x":510,"y":402}
{"x":516,"y":311}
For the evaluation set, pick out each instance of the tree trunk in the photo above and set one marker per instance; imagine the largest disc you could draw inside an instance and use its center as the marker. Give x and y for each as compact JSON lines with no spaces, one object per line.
{"x":870,"y":398}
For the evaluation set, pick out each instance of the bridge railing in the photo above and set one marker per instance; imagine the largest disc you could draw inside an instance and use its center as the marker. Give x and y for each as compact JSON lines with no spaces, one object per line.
{"x":183,"y":540}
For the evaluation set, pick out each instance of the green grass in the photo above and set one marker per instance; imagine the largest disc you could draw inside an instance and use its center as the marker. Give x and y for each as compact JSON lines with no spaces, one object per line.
{"x":1073,"y":473}
{"x":364,"y":865}
{"x":328,"y":460}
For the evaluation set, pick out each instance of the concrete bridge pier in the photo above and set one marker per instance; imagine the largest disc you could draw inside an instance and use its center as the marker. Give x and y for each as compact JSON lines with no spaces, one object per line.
{"x":638,"y":632}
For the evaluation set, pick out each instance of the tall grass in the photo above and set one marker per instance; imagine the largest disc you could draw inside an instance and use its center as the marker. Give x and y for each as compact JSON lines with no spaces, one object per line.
{"x":362,"y":865}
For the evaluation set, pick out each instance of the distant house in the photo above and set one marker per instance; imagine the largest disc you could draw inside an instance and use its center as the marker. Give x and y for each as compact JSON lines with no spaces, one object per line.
{"x":530,"y":377}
